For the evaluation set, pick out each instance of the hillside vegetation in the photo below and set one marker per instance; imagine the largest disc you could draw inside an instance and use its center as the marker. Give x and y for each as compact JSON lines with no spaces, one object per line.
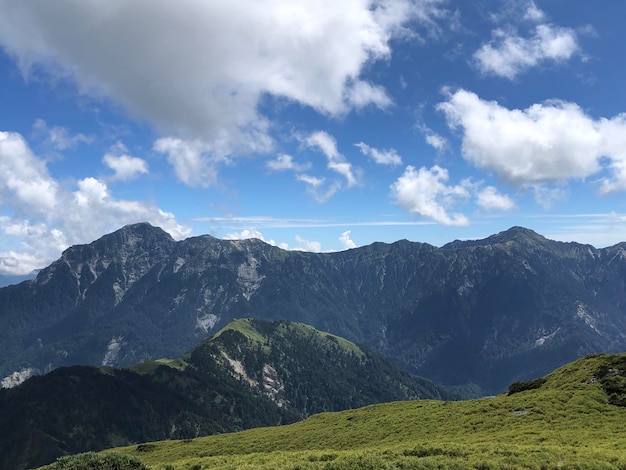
{"x":573,"y":419}
{"x":251,"y":373}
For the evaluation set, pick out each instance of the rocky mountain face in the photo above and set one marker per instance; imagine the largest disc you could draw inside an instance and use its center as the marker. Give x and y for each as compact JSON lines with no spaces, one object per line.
{"x":251,"y":373}
{"x":478,"y":314}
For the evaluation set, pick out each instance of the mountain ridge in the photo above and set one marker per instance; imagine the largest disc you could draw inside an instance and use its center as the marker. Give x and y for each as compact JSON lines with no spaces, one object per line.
{"x":477,"y":314}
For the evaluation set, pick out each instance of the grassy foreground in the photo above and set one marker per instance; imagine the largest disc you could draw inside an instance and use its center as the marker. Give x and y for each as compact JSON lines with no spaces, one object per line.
{"x":567,"y":422}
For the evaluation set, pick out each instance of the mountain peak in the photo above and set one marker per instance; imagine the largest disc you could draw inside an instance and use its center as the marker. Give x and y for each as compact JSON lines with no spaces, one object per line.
{"x":514,"y":234}
{"x":518,"y":234}
{"x":133,"y":235}
{"x":142,"y":229}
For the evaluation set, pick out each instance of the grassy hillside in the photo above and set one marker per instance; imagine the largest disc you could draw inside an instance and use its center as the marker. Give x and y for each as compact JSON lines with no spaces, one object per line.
{"x":575,"y":418}
{"x":250,"y":374}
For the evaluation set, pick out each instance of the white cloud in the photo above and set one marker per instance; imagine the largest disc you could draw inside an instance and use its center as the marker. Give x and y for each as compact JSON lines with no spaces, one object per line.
{"x":549,"y":142}
{"x":24,"y":179}
{"x":317,"y":189}
{"x":335,"y":161}
{"x":124,"y":166}
{"x":313,"y":181}
{"x":303,"y":244}
{"x":533,"y":13}
{"x":59,"y":138}
{"x":42,"y":217}
{"x":547,"y":196}
{"x":490,"y":198}
{"x":246,"y":234}
{"x":200,"y":71}
{"x":346,"y":242}
{"x":307,"y":245}
{"x":361,"y":94}
{"x":383,"y":157}
{"x":436,"y":141}
{"x":433,"y":139}
{"x":613,"y":132}
{"x":284,"y":162}
{"x":507,"y":54}
{"x":192,"y":160}
{"x":426,"y":193}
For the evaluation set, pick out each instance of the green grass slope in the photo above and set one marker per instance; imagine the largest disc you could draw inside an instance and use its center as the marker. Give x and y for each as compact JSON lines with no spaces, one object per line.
{"x":252,"y":373}
{"x":574,"y":418}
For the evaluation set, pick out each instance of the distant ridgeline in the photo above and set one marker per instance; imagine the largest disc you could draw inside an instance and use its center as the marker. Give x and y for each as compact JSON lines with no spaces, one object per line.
{"x":473,"y":314}
{"x":252,"y":373}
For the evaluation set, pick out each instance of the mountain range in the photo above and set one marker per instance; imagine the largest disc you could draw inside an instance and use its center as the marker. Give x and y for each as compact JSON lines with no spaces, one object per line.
{"x":472,"y":314}
{"x":251,"y":373}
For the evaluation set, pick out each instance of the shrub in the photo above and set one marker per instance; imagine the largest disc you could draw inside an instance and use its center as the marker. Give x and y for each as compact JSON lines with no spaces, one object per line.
{"x":517,"y":387}
{"x":93,"y":461}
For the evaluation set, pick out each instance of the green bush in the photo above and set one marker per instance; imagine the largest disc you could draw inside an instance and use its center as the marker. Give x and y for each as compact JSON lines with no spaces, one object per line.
{"x":93,"y":461}
{"x":517,"y":387}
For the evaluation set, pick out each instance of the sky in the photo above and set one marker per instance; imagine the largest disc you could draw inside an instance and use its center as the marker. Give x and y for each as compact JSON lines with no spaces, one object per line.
{"x":317,"y":125}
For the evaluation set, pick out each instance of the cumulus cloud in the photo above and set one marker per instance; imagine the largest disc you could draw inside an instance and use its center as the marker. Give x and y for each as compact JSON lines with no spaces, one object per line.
{"x":303,"y":244}
{"x":192,"y":161}
{"x":361,"y":94}
{"x":534,"y":13}
{"x":382,"y":157}
{"x":346,"y":241}
{"x":425,"y":192}
{"x":490,"y":198}
{"x":508,"y":54}
{"x":307,"y":245}
{"x":335,"y":161}
{"x":433,"y":139}
{"x":59,"y":138}
{"x":549,"y":142}
{"x":124,"y":166}
{"x":310,"y":52}
{"x":24,"y":178}
{"x":613,"y":132}
{"x":284,"y":162}
{"x":41,"y":217}
{"x":245,"y":234}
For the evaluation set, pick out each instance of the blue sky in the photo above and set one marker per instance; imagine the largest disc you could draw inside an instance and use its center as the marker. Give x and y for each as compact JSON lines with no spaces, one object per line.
{"x":318,"y":125}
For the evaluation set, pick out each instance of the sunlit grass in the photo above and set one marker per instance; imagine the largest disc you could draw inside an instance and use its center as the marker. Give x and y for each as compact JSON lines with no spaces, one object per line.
{"x":567,"y":423}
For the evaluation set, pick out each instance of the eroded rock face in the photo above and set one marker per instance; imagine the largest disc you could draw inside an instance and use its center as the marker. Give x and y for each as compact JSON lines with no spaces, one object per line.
{"x":487,"y":312}
{"x":18,"y":377}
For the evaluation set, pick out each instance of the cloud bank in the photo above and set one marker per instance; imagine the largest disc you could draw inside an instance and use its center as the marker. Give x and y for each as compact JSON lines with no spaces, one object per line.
{"x":201,"y":71}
